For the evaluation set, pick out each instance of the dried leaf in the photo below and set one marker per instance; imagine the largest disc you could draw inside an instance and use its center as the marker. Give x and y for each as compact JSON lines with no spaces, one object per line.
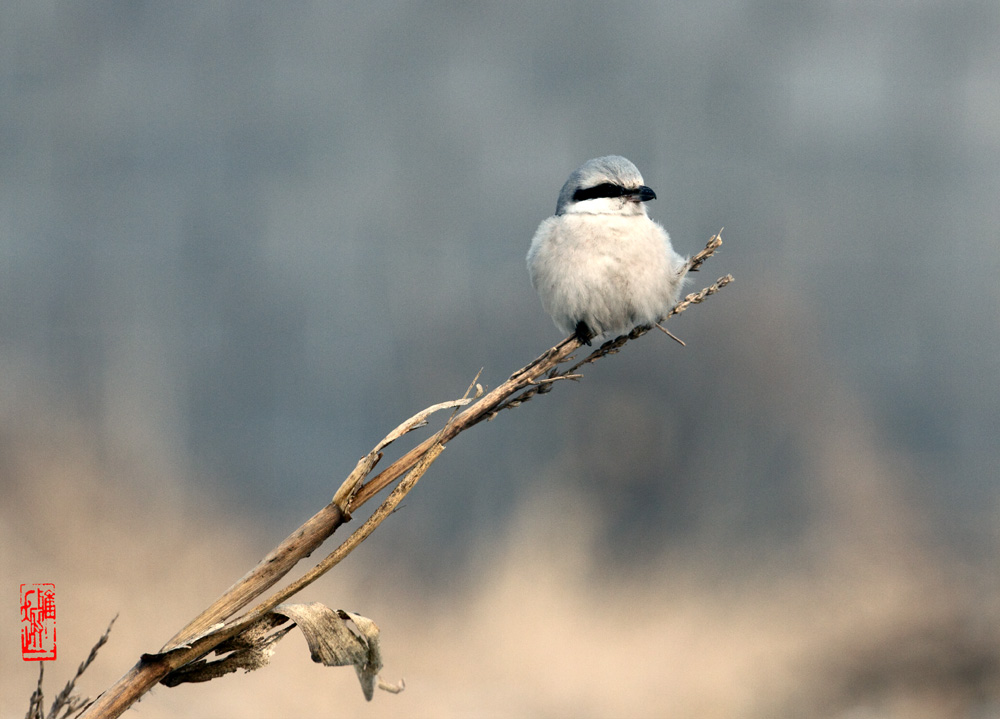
{"x":332,"y":643}
{"x":328,"y":633}
{"x":249,"y":650}
{"x":368,"y":673}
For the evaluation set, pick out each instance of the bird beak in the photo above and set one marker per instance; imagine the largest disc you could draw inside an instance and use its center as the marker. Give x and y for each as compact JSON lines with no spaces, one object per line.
{"x":641,"y":194}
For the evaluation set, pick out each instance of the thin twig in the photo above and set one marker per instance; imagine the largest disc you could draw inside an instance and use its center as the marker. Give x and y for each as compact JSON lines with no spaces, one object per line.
{"x":695,"y":263}
{"x":35,"y":708}
{"x":697,"y":298}
{"x":670,"y":334}
{"x":65,"y":698}
{"x":65,"y":703}
{"x":548,"y":380}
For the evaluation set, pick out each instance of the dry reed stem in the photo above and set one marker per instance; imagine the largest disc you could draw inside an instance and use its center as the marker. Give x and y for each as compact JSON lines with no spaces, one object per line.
{"x":211,"y":627}
{"x":300,"y":543}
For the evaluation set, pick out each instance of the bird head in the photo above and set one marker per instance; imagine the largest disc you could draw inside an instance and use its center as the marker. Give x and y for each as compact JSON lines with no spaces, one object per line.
{"x":608,"y":185}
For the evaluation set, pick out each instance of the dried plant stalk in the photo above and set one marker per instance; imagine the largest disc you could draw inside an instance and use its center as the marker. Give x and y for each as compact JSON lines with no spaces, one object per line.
{"x":220,"y":621}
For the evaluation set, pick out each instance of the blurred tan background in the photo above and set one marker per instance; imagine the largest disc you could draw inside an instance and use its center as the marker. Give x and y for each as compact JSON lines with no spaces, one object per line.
{"x":241,"y":242}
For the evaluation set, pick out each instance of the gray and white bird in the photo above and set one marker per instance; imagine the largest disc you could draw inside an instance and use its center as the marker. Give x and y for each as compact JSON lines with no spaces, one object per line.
{"x":600,"y":265}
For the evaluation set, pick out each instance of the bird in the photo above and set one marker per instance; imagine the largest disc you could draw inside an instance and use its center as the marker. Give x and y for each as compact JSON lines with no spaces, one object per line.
{"x":600,"y":265}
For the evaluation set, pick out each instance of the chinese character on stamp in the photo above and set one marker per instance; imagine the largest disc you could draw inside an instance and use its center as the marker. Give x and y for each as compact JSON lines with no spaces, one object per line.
{"x":38,"y":622}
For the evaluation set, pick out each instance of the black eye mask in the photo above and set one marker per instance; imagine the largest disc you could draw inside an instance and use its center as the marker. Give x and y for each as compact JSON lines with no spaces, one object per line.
{"x":608,"y":189}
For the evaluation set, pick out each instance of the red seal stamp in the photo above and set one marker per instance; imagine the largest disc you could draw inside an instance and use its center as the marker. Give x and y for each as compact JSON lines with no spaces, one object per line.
{"x":38,"y":622}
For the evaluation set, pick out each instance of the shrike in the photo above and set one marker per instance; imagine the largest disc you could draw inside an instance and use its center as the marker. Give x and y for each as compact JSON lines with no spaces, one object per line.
{"x":600,"y":265}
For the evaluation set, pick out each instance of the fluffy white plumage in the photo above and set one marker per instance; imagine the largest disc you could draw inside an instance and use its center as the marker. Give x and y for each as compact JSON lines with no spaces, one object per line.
{"x":600,"y":265}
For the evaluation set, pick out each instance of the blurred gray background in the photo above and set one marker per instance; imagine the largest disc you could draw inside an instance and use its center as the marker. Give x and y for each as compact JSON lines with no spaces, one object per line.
{"x":240,"y":242}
